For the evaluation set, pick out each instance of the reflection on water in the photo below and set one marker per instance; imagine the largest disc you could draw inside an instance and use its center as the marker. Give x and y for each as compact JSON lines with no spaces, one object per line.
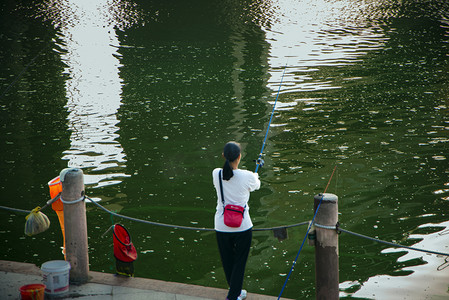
{"x":168,"y":83}
{"x":321,"y":33}
{"x":423,"y":272}
{"x":89,"y":49}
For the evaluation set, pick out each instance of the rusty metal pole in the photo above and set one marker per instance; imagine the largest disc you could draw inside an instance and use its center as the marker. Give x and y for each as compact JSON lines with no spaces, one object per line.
{"x":326,"y":247}
{"x":75,"y":224}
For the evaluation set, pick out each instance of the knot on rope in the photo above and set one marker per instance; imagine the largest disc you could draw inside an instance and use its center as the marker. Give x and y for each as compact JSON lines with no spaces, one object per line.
{"x":74,"y":201}
{"x":34,"y":211}
{"x":332,"y":227}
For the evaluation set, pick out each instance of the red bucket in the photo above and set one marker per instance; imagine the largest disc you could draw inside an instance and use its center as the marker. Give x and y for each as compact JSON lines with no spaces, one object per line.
{"x":32,"y":291}
{"x":124,"y":249}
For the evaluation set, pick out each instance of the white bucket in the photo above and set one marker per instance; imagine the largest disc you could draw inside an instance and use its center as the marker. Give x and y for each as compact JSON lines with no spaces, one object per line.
{"x":56,"y":276}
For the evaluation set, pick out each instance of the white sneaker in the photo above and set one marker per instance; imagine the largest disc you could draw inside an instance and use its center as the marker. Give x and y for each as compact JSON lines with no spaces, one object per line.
{"x":242,"y":295}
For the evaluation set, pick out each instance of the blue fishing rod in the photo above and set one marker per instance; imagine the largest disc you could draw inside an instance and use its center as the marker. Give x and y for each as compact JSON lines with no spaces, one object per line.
{"x":259,"y":161}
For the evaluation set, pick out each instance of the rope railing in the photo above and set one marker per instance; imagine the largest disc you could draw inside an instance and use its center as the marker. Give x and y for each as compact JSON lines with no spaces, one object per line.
{"x":158,"y":223}
{"x":146,"y":221}
{"x":29,"y":211}
{"x":15,"y":209}
{"x":185,"y":227}
{"x":337,"y":227}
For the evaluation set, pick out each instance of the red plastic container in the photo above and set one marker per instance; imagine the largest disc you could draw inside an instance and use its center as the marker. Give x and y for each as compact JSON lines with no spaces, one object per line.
{"x":34,"y":291}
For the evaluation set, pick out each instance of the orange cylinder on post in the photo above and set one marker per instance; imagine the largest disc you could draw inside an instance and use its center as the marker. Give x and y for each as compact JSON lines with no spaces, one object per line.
{"x":55,"y":186}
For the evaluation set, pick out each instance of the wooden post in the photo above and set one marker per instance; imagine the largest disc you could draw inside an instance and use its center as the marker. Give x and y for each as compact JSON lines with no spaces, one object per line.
{"x":75,"y":224}
{"x":326,"y":247}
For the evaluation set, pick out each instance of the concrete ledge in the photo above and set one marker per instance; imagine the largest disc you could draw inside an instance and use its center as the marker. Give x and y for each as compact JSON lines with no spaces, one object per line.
{"x":18,"y":267}
{"x":160,"y":286}
{"x":109,"y":286}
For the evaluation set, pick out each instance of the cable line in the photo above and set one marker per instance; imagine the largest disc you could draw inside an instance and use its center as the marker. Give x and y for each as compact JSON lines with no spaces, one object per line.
{"x":390,"y":243}
{"x":156,"y":223}
{"x":185,"y":227}
{"x":146,"y":221}
{"x":15,"y":209}
{"x":337,"y":227}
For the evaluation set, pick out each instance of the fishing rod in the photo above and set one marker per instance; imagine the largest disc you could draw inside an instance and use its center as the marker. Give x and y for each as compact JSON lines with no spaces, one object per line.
{"x":259,"y":161}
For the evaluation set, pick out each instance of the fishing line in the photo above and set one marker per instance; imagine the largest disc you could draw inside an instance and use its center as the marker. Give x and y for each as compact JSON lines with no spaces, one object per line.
{"x":259,"y":161}
{"x":20,"y":74}
{"x":305,"y":237}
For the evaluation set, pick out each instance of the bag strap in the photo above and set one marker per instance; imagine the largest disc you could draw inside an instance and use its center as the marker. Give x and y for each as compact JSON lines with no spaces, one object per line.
{"x":221,"y":192}
{"x":221,"y":188}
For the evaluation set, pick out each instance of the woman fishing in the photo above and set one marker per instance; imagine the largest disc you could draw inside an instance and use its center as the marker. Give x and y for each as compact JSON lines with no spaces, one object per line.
{"x":233,"y":187}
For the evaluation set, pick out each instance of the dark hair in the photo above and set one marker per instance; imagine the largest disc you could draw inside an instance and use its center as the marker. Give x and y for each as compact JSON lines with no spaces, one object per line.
{"x":231,"y":152}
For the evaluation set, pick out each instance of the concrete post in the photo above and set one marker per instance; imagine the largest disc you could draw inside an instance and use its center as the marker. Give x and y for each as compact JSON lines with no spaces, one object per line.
{"x":326,"y":247}
{"x":75,"y":224}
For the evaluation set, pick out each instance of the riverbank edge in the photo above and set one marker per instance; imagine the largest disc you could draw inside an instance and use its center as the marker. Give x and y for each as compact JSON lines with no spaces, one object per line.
{"x":137,"y":283}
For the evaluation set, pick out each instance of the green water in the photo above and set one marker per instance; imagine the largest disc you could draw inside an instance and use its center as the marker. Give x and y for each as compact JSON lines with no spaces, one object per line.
{"x":143,"y":95}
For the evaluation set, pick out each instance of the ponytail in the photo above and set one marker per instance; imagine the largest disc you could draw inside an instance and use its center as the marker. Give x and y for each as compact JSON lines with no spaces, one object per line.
{"x":231,"y":152}
{"x":227,"y":171}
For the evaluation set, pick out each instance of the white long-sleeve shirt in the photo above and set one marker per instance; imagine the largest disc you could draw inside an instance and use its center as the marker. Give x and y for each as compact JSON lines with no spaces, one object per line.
{"x":236,"y":191}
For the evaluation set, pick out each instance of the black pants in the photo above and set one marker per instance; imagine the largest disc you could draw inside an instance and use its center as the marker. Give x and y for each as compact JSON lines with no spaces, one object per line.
{"x":234,"y":249}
